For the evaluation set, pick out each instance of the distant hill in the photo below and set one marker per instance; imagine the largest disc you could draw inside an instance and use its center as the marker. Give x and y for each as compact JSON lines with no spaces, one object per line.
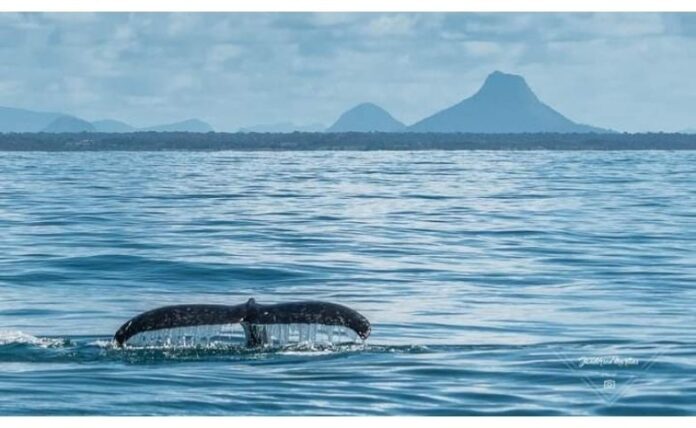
{"x":20,"y":120}
{"x":366,"y":117}
{"x":109,"y":125}
{"x":116,"y":126}
{"x":70,"y":124}
{"x":191,"y":125}
{"x":284,"y":127}
{"x":688,"y":131}
{"x":504,"y":104}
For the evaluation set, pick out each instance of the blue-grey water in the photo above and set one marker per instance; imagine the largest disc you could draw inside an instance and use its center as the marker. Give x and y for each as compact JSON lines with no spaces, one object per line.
{"x":552,"y":283}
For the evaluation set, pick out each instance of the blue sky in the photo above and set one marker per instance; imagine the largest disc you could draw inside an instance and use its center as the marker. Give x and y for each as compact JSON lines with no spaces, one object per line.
{"x":628,"y":71}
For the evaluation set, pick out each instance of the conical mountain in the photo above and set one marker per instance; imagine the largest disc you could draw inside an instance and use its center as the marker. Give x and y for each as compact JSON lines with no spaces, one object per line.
{"x":366,"y":117}
{"x":504,"y":104}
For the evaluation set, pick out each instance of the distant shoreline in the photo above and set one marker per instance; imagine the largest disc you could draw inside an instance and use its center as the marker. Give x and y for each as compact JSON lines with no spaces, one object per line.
{"x":350,"y":141}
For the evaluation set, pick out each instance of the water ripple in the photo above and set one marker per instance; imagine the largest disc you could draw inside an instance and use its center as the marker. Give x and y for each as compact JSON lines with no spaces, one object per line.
{"x":490,"y":279}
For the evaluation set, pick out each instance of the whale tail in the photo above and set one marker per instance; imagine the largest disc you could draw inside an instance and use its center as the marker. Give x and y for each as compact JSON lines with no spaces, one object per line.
{"x":257,"y":320}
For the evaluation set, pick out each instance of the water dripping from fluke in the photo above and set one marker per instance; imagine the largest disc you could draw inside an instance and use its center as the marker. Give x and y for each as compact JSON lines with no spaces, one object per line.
{"x":250,"y":325}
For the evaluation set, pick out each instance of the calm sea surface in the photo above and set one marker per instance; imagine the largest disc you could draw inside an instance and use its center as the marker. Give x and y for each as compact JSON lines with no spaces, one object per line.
{"x":497,"y":282}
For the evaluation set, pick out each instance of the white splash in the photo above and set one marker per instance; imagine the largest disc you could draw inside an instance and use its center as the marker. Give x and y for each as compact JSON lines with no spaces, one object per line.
{"x":12,"y":337}
{"x":102,"y":343}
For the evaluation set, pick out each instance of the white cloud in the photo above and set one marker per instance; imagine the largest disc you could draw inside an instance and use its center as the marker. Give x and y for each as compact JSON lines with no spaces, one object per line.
{"x":482,"y":49}
{"x":627,"y":71}
{"x":218,"y":55}
{"x":385,"y":25}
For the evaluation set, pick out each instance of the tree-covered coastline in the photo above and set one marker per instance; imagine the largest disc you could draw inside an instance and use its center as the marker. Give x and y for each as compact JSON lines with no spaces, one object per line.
{"x":306,"y":141}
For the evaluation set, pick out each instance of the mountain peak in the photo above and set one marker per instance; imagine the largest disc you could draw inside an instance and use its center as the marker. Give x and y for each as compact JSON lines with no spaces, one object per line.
{"x":500,"y":86}
{"x":503,"y":104}
{"x":497,"y":74}
{"x":366,"y":117}
{"x":368,"y":107}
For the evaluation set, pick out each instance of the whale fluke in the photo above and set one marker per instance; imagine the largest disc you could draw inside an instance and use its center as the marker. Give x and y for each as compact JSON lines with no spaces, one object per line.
{"x":250,"y":315}
{"x":179,"y":316}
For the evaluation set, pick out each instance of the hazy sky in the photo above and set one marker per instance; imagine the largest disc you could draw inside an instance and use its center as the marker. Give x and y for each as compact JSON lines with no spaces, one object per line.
{"x":628,"y":71}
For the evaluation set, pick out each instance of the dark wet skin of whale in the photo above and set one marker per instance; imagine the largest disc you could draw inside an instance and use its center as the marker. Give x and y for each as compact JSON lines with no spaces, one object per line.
{"x":247,"y":314}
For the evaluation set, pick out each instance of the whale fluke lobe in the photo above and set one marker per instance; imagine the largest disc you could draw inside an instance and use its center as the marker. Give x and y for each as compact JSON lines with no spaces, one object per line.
{"x":251,"y":315}
{"x":179,"y":316}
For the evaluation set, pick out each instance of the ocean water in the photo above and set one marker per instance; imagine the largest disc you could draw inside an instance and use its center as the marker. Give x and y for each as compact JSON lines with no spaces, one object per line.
{"x":497,"y":283}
